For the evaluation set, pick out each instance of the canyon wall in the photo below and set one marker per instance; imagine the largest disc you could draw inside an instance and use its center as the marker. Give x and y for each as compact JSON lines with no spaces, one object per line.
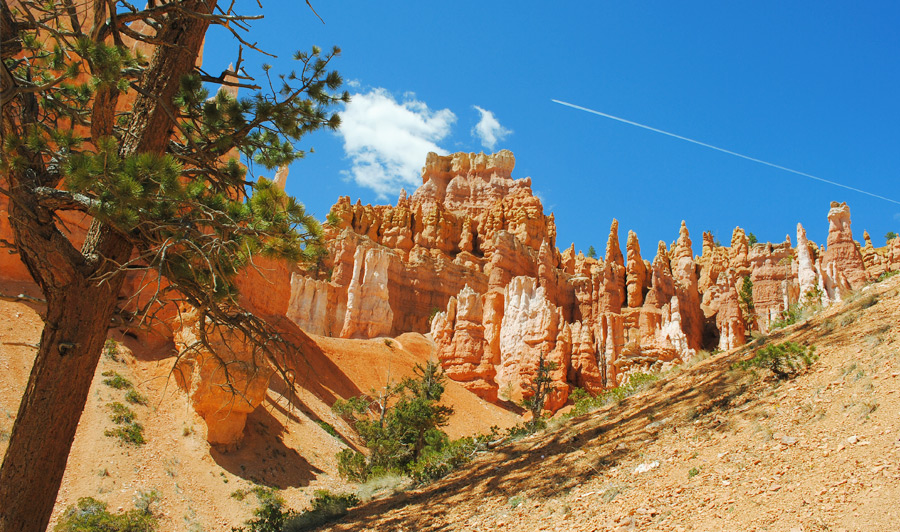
{"x":471,"y":257}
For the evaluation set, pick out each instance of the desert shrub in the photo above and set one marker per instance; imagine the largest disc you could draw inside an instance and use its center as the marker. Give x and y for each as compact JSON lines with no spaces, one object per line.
{"x":272,"y":516}
{"x":114,"y":380}
{"x":136,"y":398}
{"x":132,"y":433}
{"x":91,"y":515}
{"x":325,"y":507}
{"x":398,"y":424}
{"x":789,"y":316}
{"x":785,"y":360}
{"x":327,"y":427}
{"x":584,"y":402}
{"x":129,"y":431}
{"x":886,"y":275}
{"x":121,"y":413}
{"x":439,"y":460}
{"x":352,"y":465}
{"x":111,"y":350}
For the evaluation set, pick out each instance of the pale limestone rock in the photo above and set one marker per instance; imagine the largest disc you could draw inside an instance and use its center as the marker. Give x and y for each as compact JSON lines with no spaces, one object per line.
{"x":806,"y":273}
{"x":369,"y":313}
{"x":530,"y":328}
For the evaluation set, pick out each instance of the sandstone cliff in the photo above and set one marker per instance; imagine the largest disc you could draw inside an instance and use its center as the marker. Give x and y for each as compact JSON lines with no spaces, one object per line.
{"x":471,"y":257}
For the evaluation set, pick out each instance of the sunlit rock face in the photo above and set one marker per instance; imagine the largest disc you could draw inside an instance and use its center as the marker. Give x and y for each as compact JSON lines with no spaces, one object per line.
{"x":471,"y":257}
{"x":843,"y":260}
{"x":225,"y":380}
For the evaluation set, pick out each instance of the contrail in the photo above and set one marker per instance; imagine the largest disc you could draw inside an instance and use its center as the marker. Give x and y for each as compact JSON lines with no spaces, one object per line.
{"x":723,"y":150}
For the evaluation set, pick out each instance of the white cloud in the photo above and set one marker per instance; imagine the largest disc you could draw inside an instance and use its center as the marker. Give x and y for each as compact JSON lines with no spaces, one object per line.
{"x":488,"y":130}
{"x":387,"y":139}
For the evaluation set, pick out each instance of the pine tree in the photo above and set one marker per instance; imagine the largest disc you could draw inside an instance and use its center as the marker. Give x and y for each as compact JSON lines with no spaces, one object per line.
{"x":745,"y":296}
{"x":540,"y":388}
{"x":591,"y":252}
{"x":135,"y":141}
{"x":396,"y":423}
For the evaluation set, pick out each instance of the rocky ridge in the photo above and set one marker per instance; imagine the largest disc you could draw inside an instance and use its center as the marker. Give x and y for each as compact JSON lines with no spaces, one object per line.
{"x":471,"y":257}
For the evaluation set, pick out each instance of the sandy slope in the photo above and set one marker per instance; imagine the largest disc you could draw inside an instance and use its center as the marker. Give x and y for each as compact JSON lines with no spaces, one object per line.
{"x":723,"y":450}
{"x":284,"y":447}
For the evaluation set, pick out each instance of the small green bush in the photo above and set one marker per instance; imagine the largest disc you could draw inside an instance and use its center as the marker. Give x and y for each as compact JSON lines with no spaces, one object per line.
{"x":136,"y":398}
{"x":91,"y":515}
{"x":786,"y":360}
{"x":111,"y":350}
{"x":121,"y":413}
{"x":326,"y":507}
{"x":886,"y":275}
{"x":437,"y":462}
{"x":352,"y":465}
{"x":584,"y":403}
{"x":114,"y":380}
{"x":327,"y":427}
{"x":789,"y":316}
{"x":271,"y":516}
{"x":132,"y":433}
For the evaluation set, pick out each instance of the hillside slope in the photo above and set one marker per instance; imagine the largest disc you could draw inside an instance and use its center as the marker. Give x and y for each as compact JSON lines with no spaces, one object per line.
{"x":285,"y":444}
{"x":705,"y":448}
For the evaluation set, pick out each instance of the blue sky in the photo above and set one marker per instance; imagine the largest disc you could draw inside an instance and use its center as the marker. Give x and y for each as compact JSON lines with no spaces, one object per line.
{"x":813,"y":86}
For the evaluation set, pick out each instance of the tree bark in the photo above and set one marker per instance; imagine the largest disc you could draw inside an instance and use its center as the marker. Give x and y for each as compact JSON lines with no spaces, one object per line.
{"x":71,"y":343}
{"x":79,"y":308}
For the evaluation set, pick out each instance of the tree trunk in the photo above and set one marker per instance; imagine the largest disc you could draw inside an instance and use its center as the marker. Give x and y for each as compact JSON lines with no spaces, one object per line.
{"x":79,"y":308}
{"x":48,"y":416}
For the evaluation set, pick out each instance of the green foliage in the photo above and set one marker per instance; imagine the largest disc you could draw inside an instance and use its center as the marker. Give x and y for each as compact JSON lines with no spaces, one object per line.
{"x":194,"y":214}
{"x":120,"y":413}
{"x":397,"y":424}
{"x":693,"y":472}
{"x":326,"y":506}
{"x":130,"y":430}
{"x":789,"y":316}
{"x":271,"y":516}
{"x":785,"y":360}
{"x":745,"y":298}
{"x":91,"y":515}
{"x":751,"y":239}
{"x":886,"y":275}
{"x":111,"y":350}
{"x":584,"y":402}
{"x":439,"y":460}
{"x":132,"y":433}
{"x":135,"y":398}
{"x":539,"y":389}
{"x":890,"y":235}
{"x":114,"y":380}
{"x":591,"y":252}
{"x":327,"y":427}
